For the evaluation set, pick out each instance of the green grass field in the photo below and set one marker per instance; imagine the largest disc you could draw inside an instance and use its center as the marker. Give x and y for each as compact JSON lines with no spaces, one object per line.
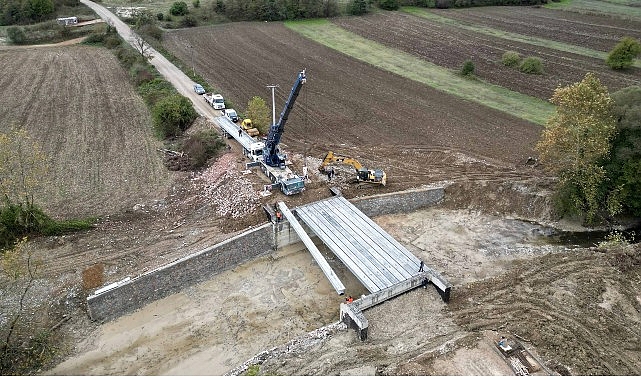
{"x":551,"y":44}
{"x":411,"y":67}
{"x":629,"y":9}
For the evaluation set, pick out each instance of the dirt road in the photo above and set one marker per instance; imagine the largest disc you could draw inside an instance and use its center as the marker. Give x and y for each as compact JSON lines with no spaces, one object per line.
{"x":168,"y":70}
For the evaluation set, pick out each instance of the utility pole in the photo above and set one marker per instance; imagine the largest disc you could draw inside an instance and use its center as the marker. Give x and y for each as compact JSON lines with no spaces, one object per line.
{"x":273,"y":87}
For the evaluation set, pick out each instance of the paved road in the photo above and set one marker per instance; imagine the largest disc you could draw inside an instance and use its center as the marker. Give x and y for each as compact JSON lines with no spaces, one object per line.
{"x":180,"y":81}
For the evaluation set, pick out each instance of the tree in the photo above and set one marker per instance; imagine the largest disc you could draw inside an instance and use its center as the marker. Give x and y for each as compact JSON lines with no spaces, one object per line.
{"x":179,"y":8}
{"x":172,"y":115}
{"x":16,"y":35}
{"x":357,"y":7}
{"x":623,"y":54}
{"x":574,"y":141}
{"x":38,"y":10}
{"x":388,"y":5}
{"x":258,"y":112}
{"x":468,"y":68}
{"x":20,"y":269}
{"x":143,"y":48}
{"x":624,"y":166}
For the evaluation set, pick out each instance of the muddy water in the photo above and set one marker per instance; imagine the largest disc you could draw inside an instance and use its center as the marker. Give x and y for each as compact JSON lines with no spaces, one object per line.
{"x":215,"y":326}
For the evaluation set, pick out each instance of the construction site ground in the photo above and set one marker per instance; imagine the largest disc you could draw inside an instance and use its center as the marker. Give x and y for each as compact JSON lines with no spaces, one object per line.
{"x":507,"y":279}
{"x":578,"y":309}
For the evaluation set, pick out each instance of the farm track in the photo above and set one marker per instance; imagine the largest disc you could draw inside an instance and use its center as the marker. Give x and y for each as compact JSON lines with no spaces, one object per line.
{"x":450,"y":46}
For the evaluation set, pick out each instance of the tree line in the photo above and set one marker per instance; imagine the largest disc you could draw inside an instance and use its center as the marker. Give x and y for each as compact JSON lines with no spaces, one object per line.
{"x":17,"y":12}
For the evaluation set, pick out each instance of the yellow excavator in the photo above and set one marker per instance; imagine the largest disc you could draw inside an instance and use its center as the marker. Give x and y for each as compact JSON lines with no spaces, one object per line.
{"x":363,"y":175}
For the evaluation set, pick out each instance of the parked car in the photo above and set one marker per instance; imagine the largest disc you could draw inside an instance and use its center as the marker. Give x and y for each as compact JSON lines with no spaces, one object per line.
{"x":231,"y":114}
{"x":199,"y":89}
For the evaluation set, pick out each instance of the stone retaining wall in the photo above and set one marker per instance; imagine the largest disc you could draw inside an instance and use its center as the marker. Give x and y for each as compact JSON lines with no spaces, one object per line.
{"x":178,"y":275}
{"x":133,"y":294}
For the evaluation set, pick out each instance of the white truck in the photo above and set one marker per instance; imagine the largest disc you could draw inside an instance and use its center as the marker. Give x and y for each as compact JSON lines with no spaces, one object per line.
{"x":215,"y":100}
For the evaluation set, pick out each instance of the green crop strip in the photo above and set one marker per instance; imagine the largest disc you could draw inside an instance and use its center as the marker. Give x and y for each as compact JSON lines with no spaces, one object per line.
{"x":416,"y":69}
{"x":620,"y":8}
{"x":560,"y":46}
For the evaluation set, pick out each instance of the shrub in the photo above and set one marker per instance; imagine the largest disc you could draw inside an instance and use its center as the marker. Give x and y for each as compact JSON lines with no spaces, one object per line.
{"x":179,"y":8}
{"x":16,"y":35}
{"x":202,"y":146}
{"x":140,"y":74}
{"x":112,"y":42}
{"x":188,"y":22}
{"x":531,"y":65}
{"x":357,"y":7}
{"x":155,"y":90}
{"x":172,"y":115}
{"x":468,"y":68}
{"x":160,"y":16}
{"x":623,"y":54}
{"x":196,"y":3}
{"x":388,"y":5}
{"x":511,"y":59}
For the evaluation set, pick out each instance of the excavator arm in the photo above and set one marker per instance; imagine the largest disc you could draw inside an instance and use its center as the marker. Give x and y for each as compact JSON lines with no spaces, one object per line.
{"x":331,"y":158}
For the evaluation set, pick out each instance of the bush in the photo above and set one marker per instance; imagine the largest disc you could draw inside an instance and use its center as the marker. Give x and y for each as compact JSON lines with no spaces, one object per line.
{"x":188,"y":22}
{"x":155,"y":90}
{"x":623,"y":54}
{"x":468,"y":68}
{"x":140,"y":74}
{"x":201,"y":147}
{"x":112,"y":42}
{"x":172,"y":115}
{"x":127,"y":56}
{"x":16,"y":35}
{"x":179,"y":8}
{"x":511,"y":59}
{"x":196,"y":3}
{"x":357,"y":7}
{"x":388,"y":5}
{"x":531,"y":65}
{"x":160,"y":16}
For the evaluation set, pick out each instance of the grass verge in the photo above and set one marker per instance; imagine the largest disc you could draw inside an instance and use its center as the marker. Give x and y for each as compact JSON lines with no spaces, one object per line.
{"x":556,"y":45}
{"x":619,"y":8}
{"x":416,"y":69}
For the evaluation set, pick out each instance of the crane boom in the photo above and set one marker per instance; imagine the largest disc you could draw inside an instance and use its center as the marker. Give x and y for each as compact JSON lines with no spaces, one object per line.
{"x":270,"y":153}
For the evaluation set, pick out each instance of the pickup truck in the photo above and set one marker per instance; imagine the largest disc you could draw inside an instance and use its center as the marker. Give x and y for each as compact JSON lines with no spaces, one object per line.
{"x":215,"y":100}
{"x":231,"y":114}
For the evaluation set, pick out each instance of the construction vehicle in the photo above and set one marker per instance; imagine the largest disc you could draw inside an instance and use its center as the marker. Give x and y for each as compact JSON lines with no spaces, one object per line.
{"x":273,"y":163}
{"x":363,"y":175}
{"x":247,"y":125}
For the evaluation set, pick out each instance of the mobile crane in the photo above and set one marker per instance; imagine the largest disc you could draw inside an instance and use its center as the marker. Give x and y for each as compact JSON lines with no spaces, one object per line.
{"x":273,"y":163}
{"x":363,"y":175}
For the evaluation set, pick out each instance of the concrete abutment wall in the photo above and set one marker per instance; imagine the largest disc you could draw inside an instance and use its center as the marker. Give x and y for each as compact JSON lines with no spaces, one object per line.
{"x":128,"y":296}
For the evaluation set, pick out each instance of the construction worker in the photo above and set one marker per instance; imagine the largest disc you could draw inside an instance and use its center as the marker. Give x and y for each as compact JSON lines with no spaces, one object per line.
{"x":349,"y":299}
{"x":278,"y":216}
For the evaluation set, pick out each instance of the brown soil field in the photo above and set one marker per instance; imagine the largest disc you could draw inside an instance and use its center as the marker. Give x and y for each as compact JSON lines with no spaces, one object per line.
{"x":100,"y":148}
{"x":450,"y":46}
{"x":413,"y":132}
{"x":598,"y":32}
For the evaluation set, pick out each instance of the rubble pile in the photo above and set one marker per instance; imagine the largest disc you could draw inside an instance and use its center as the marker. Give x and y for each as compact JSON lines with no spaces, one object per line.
{"x":226,"y":189}
{"x":299,"y":344}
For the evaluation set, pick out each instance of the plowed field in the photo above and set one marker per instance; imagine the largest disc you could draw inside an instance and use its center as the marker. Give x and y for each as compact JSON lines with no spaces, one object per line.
{"x":413,"y":132}
{"x":100,"y":149}
{"x":449,"y":44}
